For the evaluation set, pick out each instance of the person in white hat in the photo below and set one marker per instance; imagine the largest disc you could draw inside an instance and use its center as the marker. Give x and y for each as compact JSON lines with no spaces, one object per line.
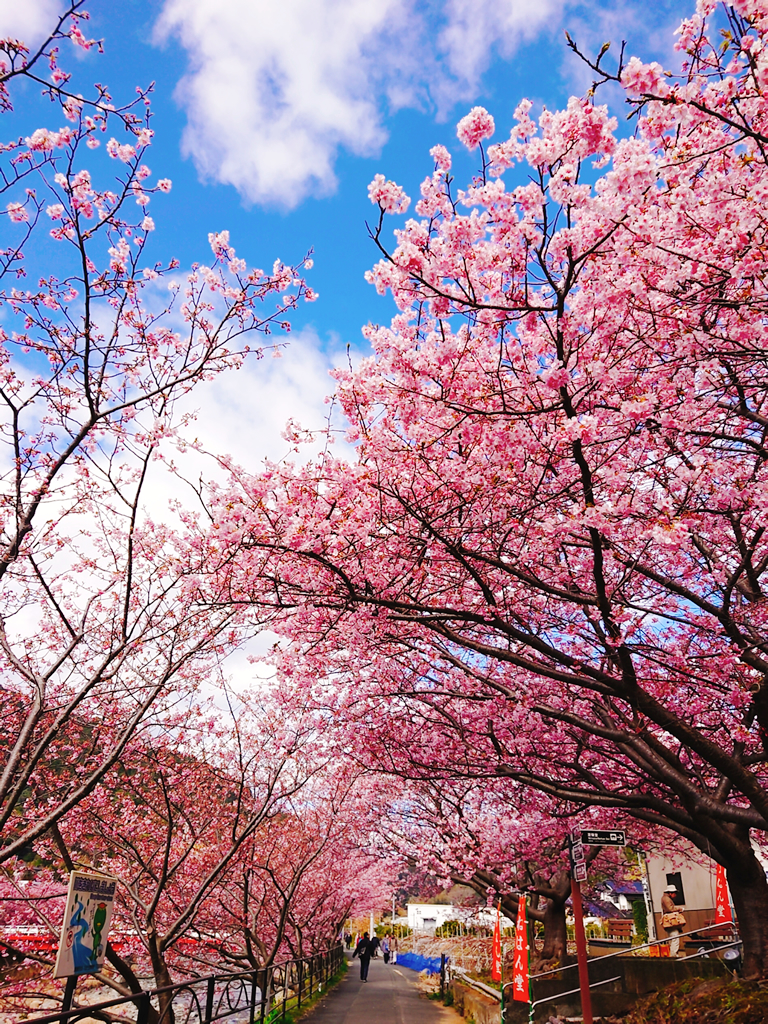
{"x":672,"y":918}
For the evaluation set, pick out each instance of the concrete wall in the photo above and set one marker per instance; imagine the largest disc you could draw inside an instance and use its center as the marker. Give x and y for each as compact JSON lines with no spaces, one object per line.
{"x":470,"y":1003}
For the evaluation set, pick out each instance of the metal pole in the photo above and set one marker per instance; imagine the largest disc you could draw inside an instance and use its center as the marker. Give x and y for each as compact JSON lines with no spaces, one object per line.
{"x":265,"y":994}
{"x":254,"y":986}
{"x":142,"y":1014}
{"x":69,"y":992}
{"x":645,"y":881}
{"x":209,"y":1001}
{"x":581,"y":952}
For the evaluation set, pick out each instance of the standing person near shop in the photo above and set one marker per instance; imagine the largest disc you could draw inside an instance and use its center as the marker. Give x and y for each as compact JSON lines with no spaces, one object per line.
{"x":363,"y":951}
{"x":672,"y":918}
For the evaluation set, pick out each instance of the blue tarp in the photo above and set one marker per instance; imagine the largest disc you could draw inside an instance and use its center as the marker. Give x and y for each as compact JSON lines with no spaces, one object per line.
{"x":414,"y":962}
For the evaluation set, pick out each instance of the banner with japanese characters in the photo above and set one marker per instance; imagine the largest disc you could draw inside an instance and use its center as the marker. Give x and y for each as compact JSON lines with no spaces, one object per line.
{"x":520,"y":979}
{"x":723,"y":914}
{"x":84,"y":931}
{"x":496,"y":949}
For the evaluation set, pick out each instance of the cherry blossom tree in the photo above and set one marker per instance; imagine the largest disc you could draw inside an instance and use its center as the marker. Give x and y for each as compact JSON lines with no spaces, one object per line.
{"x":301,"y":876}
{"x":174,"y":822}
{"x":553,"y":532}
{"x":237,"y":842}
{"x":100,"y":626}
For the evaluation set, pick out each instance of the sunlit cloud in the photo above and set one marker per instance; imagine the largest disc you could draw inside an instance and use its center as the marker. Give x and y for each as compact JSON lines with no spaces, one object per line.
{"x":28,"y":20}
{"x":273,"y":92}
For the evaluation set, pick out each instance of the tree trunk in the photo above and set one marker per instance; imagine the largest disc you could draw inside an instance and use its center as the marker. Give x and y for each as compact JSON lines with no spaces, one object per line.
{"x":555,"y":932}
{"x":749,"y":889}
{"x":162,"y":977}
{"x":129,"y":976}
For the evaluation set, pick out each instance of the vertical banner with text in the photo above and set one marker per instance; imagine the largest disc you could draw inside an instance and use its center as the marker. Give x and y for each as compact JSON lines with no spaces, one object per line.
{"x":520,"y":979}
{"x":496,"y":948}
{"x":723,"y":913}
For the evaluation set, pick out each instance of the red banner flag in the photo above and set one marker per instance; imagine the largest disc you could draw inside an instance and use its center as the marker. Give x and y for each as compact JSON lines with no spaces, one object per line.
{"x":723,"y":913}
{"x":496,"y":949}
{"x":520,"y":981}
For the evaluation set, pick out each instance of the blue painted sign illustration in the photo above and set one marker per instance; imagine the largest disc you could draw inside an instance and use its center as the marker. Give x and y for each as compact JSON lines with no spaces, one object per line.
{"x":84,"y":932}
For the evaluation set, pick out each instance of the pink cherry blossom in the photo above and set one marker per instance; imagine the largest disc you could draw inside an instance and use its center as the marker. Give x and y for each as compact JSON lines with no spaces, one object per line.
{"x":475,"y":126}
{"x":389,"y":196}
{"x":17,"y":213}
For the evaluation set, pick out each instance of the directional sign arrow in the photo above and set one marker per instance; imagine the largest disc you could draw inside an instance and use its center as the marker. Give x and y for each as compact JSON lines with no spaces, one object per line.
{"x":603,"y":837}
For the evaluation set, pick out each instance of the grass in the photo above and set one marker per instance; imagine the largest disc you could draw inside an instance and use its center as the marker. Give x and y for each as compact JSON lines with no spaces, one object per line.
{"x":293,"y":1013}
{"x":446,"y":1000}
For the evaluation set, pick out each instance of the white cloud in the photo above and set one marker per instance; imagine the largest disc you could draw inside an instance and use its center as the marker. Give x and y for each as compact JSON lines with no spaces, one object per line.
{"x":242,"y":414}
{"x":475,"y":27}
{"x":29,"y":20}
{"x":274,"y":90}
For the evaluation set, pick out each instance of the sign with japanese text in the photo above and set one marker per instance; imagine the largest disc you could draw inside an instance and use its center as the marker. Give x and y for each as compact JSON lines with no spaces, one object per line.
{"x":580,"y":872}
{"x":577,"y":853}
{"x":723,"y":914}
{"x":603,"y":837}
{"x":496,"y":949}
{"x":84,"y":931}
{"x":520,"y":979}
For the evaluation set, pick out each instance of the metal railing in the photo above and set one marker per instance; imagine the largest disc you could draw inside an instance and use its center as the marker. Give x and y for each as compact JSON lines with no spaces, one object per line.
{"x":629,"y":951}
{"x":246,"y":997}
{"x":466,"y":978}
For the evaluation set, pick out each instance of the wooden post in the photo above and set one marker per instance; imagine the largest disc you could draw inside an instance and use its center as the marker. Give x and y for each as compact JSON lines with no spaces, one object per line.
{"x":581,"y":952}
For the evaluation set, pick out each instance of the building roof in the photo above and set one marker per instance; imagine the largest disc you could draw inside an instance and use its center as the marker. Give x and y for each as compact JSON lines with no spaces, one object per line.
{"x":602,"y":908}
{"x":624,"y":888}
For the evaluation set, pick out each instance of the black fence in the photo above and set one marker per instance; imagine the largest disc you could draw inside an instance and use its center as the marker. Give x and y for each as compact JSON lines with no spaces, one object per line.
{"x":247,"y":997}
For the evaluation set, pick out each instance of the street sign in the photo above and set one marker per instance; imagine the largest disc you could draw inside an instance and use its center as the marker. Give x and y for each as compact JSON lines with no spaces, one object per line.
{"x":577,"y":853}
{"x":603,"y":837}
{"x":580,"y":872}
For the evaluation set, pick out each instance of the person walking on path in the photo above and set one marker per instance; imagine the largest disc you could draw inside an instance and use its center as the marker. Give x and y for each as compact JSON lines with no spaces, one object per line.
{"x":672,"y":918}
{"x":363,"y":951}
{"x":393,"y":995}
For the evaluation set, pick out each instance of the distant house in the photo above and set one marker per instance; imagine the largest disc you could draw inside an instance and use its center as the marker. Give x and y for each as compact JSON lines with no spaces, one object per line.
{"x":427,"y":917}
{"x":603,"y":910}
{"x":621,"y":895}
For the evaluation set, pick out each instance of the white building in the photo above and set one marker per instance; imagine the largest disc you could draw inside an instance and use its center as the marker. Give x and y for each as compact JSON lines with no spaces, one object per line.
{"x":426,"y":917}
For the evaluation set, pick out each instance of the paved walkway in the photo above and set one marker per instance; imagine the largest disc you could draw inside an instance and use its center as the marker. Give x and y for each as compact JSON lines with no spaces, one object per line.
{"x":390,"y":996}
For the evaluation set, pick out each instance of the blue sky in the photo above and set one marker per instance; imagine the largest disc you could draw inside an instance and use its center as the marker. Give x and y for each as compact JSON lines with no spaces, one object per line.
{"x":271,"y":118}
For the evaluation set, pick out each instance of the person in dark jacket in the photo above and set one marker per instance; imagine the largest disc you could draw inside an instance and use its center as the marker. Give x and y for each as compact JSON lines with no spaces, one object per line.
{"x":364,"y":951}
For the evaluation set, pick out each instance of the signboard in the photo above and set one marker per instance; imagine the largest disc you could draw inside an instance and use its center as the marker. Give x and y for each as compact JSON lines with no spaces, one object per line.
{"x":84,"y":931}
{"x":520,"y":967}
{"x":580,"y":872}
{"x":603,"y":837}
{"x":577,"y":853}
{"x":723,"y":913}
